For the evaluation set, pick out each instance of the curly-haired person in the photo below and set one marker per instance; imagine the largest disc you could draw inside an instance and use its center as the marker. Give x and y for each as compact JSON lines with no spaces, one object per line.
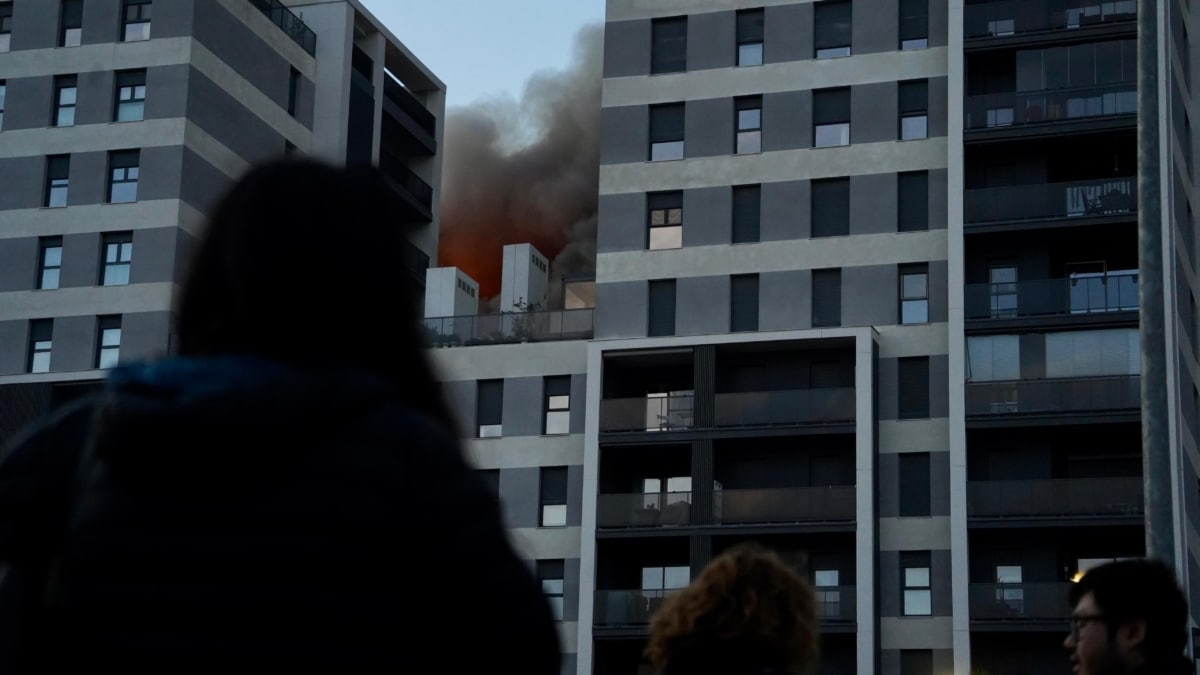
{"x":747,"y":613}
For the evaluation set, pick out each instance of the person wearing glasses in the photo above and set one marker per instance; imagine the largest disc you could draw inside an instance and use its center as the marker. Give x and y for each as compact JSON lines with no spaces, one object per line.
{"x":1128,"y":617}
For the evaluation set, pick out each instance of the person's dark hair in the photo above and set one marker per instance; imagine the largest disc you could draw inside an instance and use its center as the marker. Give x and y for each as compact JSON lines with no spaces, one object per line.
{"x":747,"y":611}
{"x":1129,"y":590}
{"x":304,"y":263}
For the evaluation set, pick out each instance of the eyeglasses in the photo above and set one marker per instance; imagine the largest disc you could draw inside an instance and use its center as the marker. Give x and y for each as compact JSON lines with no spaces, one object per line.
{"x":1078,"y":621}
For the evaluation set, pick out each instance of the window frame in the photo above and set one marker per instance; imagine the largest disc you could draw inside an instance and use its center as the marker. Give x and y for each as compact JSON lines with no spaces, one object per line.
{"x":131,"y":80}
{"x":552,"y":496}
{"x":485,"y":427}
{"x":826,"y":283}
{"x":914,"y":301}
{"x":62,"y":84}
{"x":41,"y":342}
{"x":142,"y":17}
{"x":56,"y":184}
{"x":70,"y":23}
{"x":121,"y":243}
{"x":668,"y":35}
{"x":916,"y":561}
{"x":554,"y":570}
{"x":831,"y":114}
{"x":6,"y":13}
{"x":127,"y":165}
{"x":912,"y":13}
{"x":45,"y":245}
{"x":105,"y":325}
{"x":826,"y":20}
{"x":669,"y":234}
{"x":752,"y":132}
{"x":553,"y":407}
{"x":829,"y":208}
{"x":913,"y":107}
{"x":750,"y":33}
{"x":666,"y":142}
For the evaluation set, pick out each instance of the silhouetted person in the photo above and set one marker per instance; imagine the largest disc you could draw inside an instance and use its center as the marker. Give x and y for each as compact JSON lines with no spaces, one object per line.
{"x":747,"y":613}
{"x":287,"y":493}
{"x":1128,"y":617}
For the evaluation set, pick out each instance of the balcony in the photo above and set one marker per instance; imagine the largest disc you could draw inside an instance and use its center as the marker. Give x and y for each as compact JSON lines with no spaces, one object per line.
{"x":654,"y":412}
{"x":996,"y":111}
{"x":1082,"y":295}
{"x":785,"y":407}
{"x":289,"y":23}
{"x":634,"y":608}
{"x":410,"y":116}
{"x":1056,"y":498}
{"x":487,"y":329}
{"x":1045,"y":201}
{"x":640,"y":509}
{"x":730,"y":507}
{"x":1055,"y":396}
{"x":416,"y":194}
{"x":1004,"y":18}
{"x":1019,"y":602}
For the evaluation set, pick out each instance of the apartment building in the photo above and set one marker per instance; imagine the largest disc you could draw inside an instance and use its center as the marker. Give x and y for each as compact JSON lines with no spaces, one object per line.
{"x":92,"y":248}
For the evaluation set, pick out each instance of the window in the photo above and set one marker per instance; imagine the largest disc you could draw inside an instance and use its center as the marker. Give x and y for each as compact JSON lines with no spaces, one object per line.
{"x":118,"y":257}
{"x":666,"y":132}
{"x":832,"y":29}
{"x":131,"y":96}
{"x":914,"y":114}
{"x":665,"y":220}
{"x":831,"y":207}
{"x":747,"y":213}
{"x":831,"y":117}
{"x":914,"y":484}
{"x":553,"y":496}
{"x":293,"y":91}
{"x":64,"y":101}
{"x":913,"y":376}
{"x":489,"y":409}
{"x":58,"y":168}
{"x":557,"y":395}
{"x":743,"y":303}
{"x":136,"y":24}
{"x":49,"y":262}
{"x":123,"y":170}
{"x":912,"y":201}
{"x":1009,"y":591}
{"x":993,"y":358}
{"x":668,"y":47}
{"x":661,"y":308}
{"x":749,"y":124}
{"x":108,"y":342}
{"x":40,"y":341}
{"x":914,"y":24}
{"x":914,"y":569}
{"x":828,"y":596}
{"x":914,"y":294}
{"x":916,"y":662}
{"x":5,"y":26}
{"x":658,"y":582}
{"x":750,"y":37}
{"x":3,"y":95}
{"x":1002,"y":287}
{"x":826,"y":298}
{"x":551,"y":573}
{"x":70,"y":32}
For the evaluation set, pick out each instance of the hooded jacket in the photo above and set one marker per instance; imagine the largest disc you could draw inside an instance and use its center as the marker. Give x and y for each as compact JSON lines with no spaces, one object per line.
{"x":238,"y":513}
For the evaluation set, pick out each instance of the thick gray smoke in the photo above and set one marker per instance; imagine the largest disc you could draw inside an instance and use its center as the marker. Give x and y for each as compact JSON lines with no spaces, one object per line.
{"x":526,"y":171}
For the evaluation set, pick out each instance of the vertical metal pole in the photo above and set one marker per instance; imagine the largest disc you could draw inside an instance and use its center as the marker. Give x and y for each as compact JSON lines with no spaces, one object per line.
{"x":1156,"y":450}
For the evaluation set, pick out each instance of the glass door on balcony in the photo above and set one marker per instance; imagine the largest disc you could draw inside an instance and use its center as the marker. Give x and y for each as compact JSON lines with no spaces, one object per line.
{"x":1010,"y":594}
{"x":668,"y":410}
{"x":659,"y":582}
{"x":1003,"y":280}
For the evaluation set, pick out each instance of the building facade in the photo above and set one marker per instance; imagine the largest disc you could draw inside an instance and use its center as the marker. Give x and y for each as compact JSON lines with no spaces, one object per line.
{"x":92,"y":248}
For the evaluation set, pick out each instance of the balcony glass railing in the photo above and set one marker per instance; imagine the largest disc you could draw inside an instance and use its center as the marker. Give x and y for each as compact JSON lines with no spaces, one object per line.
{"x":1091,"y":294}
{"x":730,"y":507}
{"x":785,"y":407}
{"x":289,"y":23}
{"x":998,"y":499}
{"x":990,"y":111}
{"x":654,"y":509}
{"x":653,"y":412}
{"x":455,"y":331}
{"x":1059,"y":395}
{"x":633,"y":608}
{"x":1019,"y":601}
{"x":1074,"y":199}
{"x":1014,"y":17}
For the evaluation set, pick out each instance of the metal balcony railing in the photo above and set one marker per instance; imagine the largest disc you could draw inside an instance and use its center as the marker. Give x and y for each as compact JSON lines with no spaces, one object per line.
{"x":1019,"y":602}
{"x":785,"y":407}
{"x":1060,"y":395}
{"x":410,"y":105}
{"x":1054,"y":297}
{"x":633,"y":608}
{"x":667,"y":412}
{"x":998,"y":499}
{"x":1074,"y":199}
{"x":1015,"y":17}
{"x":785,"y":505}
{"x":990,"y":111}
{"x":289,"y":23}
{"x":455,"y":331}
{"x":399,"y":175}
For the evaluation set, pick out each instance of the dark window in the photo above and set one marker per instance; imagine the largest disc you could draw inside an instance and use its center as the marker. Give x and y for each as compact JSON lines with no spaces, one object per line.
{"x":108,"y":341}
{"x":914,"y":484}
{"x":914,"y":114}
{"x":743,"y":303}
{"x":831,"y":117}
{"x":668,"y":49}
{"x":912,"y":201}
{"x":661,"y":308}
{"x":664,"y":220}
{"x":914,"y":294}
{"x":3,"y":95}
{"x":135,"y":23}
{"x":831,"y":207}
{"x":913,"y":379}
{"x":666,"y":132}
{"x":557,"y":404}
{"x":70,"y":32}
{"x":64,"y":100}
{"x":826,"y":298}
{"x":118,"y":257}
{"x":832,"y":29}
{"x":916,"y":662}
{"x":915,"y":579}
{"x":41,"y":333}
{"x":5,"y":26}
{"x":551,"y":573}
{"x":49,"y":262}
{"x":750,"y":37}
{"x":489,"y":408}
{"x":123,"y":176}
{"x":131,"y":96}
{"x":914,"y":24}
{"x":58,"y":169}
{"x":293,"y":91}
{"x":749,"y":124}
{"x":553,"y":496}
{"x":747,"y":213}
